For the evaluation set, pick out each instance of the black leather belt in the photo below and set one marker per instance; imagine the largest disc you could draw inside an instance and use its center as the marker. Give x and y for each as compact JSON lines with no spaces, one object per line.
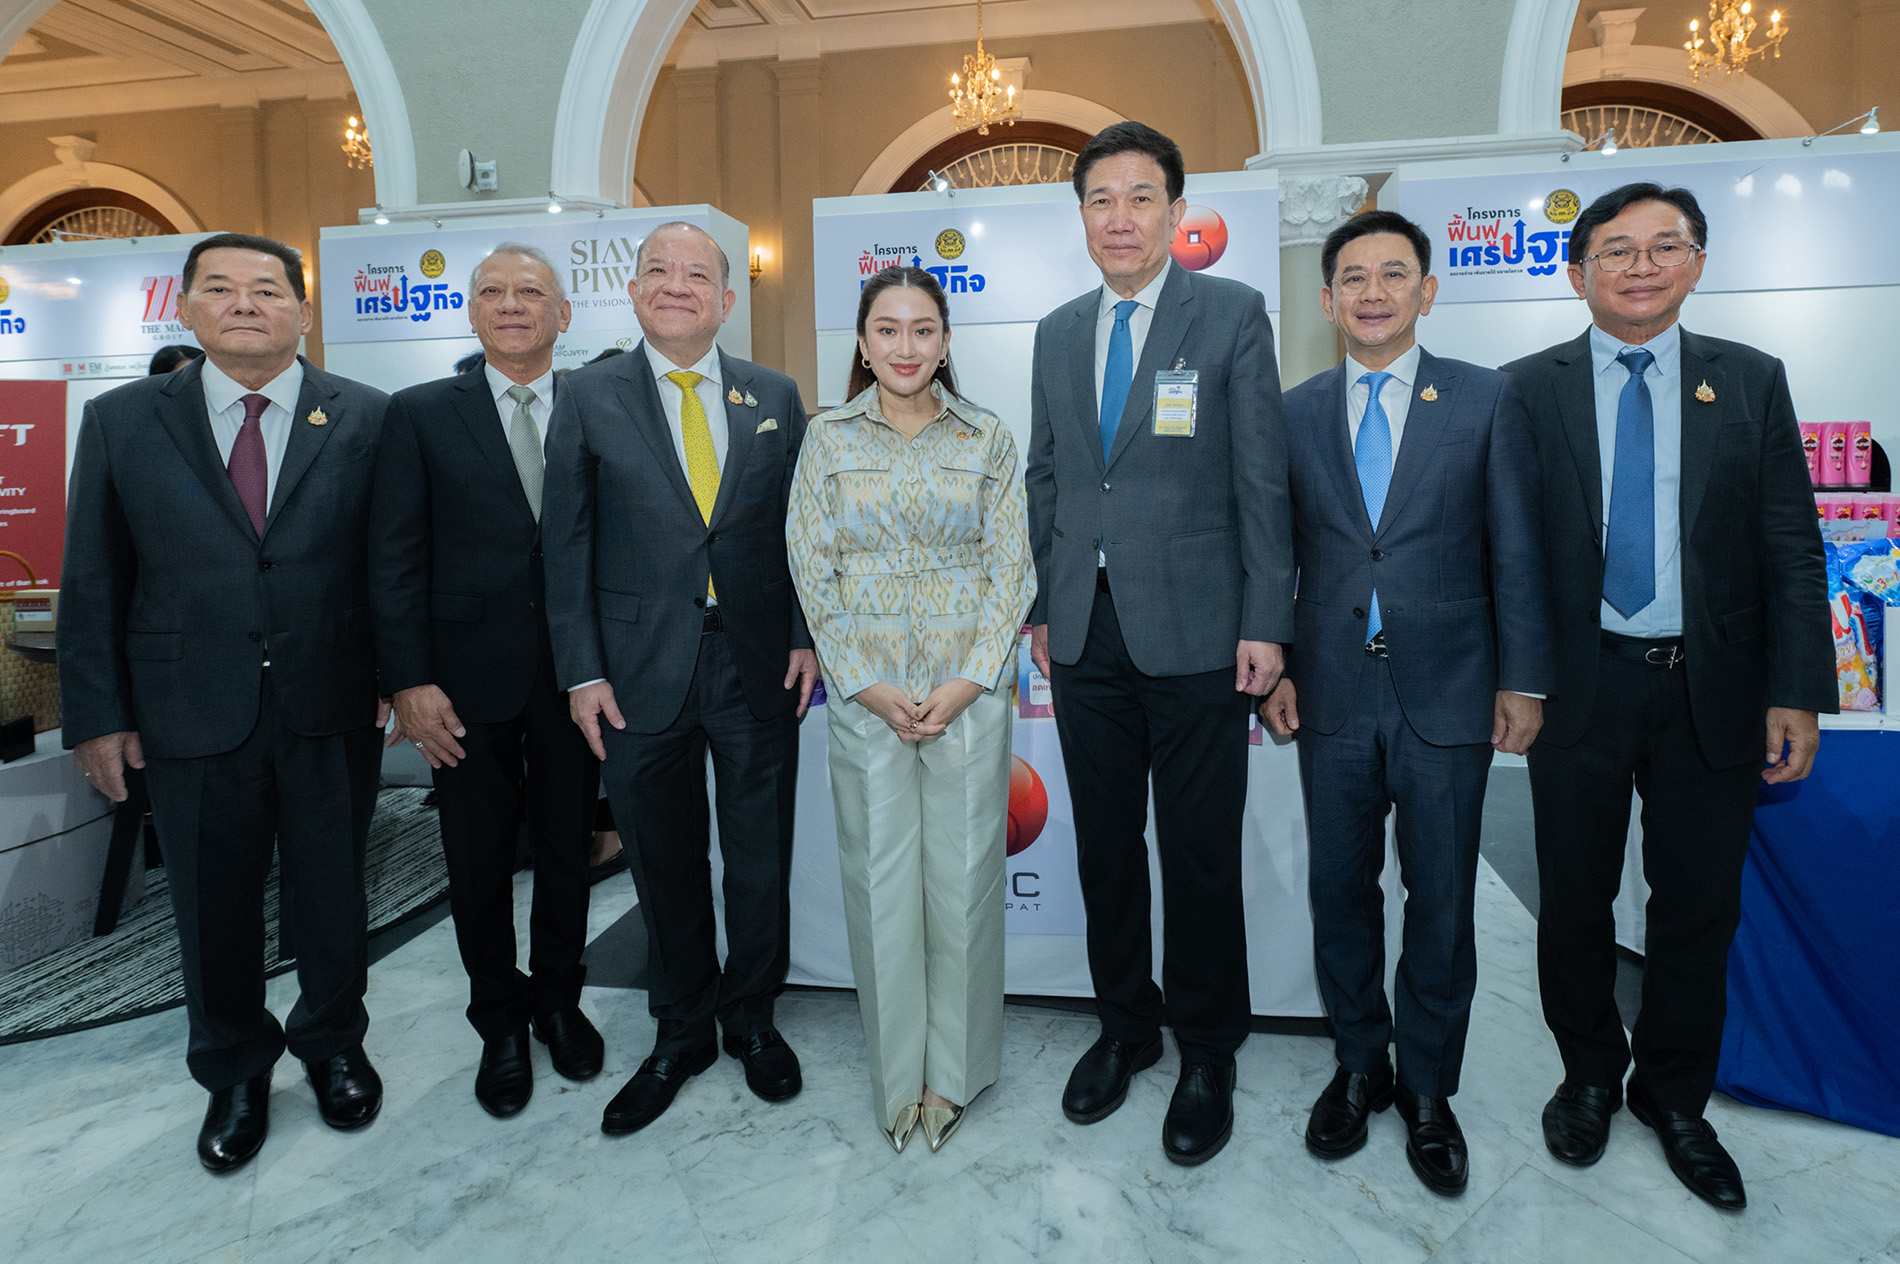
{"x":1377,"y":645}
{"x":713,"y":623}
{"x":1665,"y":652}
{"x":1101,"y":579}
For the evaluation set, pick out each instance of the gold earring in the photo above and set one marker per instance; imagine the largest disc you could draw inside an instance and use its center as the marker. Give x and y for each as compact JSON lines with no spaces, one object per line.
{"x":943,"y":362}
{"x":866,"y":360}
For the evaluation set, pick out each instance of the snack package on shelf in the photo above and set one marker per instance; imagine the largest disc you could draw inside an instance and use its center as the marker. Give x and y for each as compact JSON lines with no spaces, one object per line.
{"x":1811,"y":445}
{"x":1861,"y":577}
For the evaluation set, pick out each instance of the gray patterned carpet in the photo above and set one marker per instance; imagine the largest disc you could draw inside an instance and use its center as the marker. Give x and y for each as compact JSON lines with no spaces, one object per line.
{"x":134,"y":970}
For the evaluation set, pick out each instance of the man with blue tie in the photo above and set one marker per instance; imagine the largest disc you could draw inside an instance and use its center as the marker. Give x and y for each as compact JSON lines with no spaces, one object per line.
{"x":1421,"y":645}
{"x":1690,"y":637}
{"x":1158,"y":519}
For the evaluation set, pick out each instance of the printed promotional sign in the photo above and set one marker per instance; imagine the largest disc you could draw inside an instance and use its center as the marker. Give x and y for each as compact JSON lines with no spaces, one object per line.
{"x":1012,"y":254}
{"x":32,"y":481}
{"x":83,"y":303}
{"x":1042,"y":895}
{"x":1500,"y":237}
{"x":407,"y":286}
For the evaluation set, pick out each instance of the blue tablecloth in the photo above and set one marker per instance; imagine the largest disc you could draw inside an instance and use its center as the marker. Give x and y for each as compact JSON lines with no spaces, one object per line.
{"x":1814,"y":976}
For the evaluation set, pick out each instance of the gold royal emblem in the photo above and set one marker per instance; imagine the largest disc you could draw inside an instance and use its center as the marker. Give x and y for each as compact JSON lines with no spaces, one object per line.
{"x":1429,"y":394}
{"x":1704,"y":394}
{"x":733,"y":396}
{"x":316,"y":418}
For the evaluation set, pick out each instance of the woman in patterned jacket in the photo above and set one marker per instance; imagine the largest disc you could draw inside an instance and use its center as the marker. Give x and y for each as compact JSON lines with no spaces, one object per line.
{"x":910,"y":551}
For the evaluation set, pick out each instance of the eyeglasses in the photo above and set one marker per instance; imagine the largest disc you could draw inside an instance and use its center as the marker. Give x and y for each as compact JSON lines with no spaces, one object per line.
{"x":1391,"y":280}
{"x":1668,"y":254}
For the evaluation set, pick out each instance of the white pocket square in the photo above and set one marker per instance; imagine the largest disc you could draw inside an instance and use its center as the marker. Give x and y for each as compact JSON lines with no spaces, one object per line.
{"x":770,"y":423}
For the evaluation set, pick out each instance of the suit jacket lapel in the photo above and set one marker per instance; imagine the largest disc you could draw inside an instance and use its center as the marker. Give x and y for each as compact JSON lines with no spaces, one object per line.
{"x":1575,"y":389}
{"x":1334,"y":440}
{"x":306,"y":440}
{"x":1174,"y":313}
{"x":183,"y":414}
{"x":483,"y":421}
{"x":741,"y":427}
{"x":1425,"y":425}
{"x":1701,"y":422}
{"x":641,"y":395}
{"x":1080,"y":350}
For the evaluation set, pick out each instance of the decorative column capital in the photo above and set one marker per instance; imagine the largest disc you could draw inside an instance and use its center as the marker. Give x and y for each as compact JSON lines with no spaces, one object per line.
{"x":1312,"y":207}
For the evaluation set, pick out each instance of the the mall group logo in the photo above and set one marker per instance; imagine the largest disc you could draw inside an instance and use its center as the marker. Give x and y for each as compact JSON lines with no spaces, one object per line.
{"x":1495,"y":239}
{"x":384,"y":291}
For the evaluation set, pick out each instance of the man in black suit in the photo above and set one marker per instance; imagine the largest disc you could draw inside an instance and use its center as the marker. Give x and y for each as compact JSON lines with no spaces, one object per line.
{"x":1691,"y":636}
{"x":676,"y":632}
{"x":1164,"y":563}
{"x":462,"y":644}
{"x":215,"y":631}
{"x":1421,"y":643}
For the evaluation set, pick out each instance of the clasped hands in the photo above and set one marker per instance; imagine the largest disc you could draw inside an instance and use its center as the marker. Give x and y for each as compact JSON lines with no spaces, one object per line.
{"x":914,"y":721}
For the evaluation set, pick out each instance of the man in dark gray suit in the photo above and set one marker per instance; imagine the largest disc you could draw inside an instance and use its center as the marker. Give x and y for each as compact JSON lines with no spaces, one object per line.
{"x":1421,"y":643}
{"x":215,"y":631}
{"x":1158,"y":517}
{"x":676,"y":631}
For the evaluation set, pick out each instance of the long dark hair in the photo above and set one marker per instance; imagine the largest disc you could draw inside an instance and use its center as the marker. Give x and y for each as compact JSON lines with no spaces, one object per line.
{"x":892,"y":278}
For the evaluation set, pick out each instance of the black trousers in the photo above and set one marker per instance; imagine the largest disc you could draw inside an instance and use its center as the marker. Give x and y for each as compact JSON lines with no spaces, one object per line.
{"x":1117,"y":725}
{"x":1695,"y":837}
{"x":218,"y":819}
{"x":657,"y":784}
{"x":1352,"y":779}
{"x":538,"y":757}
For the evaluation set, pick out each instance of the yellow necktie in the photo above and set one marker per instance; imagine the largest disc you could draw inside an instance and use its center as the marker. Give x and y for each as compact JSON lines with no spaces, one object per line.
{"x":702,"y":463}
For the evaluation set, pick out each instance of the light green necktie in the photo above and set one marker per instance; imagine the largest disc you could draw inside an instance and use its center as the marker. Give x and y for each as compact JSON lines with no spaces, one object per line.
{"x":525,"y":442}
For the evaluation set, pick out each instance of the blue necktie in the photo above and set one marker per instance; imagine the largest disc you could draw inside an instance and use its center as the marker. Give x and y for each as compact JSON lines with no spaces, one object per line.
{"x":1372,"y":457}
{"x":1629,"y":551}
{"x":1119,"y":374}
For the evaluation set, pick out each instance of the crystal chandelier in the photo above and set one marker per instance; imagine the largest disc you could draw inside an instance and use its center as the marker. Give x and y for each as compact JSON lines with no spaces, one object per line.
{"x":356,"y":151}
{"x":1730,"y":29}
{"x":977,"y":96}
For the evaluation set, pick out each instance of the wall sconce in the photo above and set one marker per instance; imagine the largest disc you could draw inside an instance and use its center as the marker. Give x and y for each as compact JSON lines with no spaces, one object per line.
{"x":757,"y":268}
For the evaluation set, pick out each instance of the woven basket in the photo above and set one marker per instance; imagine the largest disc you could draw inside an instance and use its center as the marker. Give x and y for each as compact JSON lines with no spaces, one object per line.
{"x":26,"y":687}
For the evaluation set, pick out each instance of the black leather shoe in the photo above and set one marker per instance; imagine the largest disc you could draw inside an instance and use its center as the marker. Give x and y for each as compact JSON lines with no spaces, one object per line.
{"x":574,"y":1046}
{"x":505,"y":1081}
{"x":645,"y":1097}
{"x":1694,"y":1155}
{"x":1337,"y":1125}
{"x":771,"y":1068}
{"x":1099,"y":1084}
{"x":349,"y":1092}
{"x":1201,"y":1113}
{"x":1577,"y":1122}
{"x":236,"y":1123}
{"x":1434,"y":1143}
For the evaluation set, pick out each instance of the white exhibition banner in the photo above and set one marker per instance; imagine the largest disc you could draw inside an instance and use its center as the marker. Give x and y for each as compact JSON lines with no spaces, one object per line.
{"x":94,"y":308}
{"x":1784,"y":217}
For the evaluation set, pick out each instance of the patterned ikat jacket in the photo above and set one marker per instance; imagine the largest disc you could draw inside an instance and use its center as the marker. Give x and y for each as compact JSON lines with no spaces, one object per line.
{"x":911,"y":557}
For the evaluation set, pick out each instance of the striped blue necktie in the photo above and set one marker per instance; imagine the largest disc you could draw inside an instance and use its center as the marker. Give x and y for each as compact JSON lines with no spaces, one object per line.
{"x":1372,"y":457}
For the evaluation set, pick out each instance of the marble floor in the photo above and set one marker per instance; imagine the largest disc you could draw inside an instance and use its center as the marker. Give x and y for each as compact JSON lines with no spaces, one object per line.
{"x":97,"y":1164}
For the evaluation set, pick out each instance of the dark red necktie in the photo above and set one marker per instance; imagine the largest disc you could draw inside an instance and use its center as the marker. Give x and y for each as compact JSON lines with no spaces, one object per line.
{"x":248,"y":470}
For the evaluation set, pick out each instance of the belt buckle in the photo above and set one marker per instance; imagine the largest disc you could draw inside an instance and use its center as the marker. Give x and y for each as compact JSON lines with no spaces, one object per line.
{"x":1377,"y":645}
{"x":712,"y":623}
{"x":1671,"y":656}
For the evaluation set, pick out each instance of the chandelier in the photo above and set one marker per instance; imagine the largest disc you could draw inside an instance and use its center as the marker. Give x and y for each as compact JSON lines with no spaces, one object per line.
{"x":977,"y":96}
{"x":356,"y":151}
{"x":1730,"y":29}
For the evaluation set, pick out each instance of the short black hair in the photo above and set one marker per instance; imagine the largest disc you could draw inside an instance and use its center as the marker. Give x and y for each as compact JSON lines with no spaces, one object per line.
{"x":1616,"y":201}
{"x":1370,"y":223}
{"x":1131,"y":138}
{"x":290,"y":256}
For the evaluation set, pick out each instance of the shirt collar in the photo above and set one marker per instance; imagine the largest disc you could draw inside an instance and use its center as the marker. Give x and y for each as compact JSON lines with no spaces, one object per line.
{"x":221,"y":392}
{"x":708,"y":366}
{"x":499,"y":384}
{"x":1665,"y":346}
{"x":1405,"y":369}
{"x":864,"y":404}
{"x":1149,"y":296}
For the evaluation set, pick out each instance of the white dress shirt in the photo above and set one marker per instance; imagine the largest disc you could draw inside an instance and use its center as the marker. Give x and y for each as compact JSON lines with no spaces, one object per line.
{"x":1138,"y":322}
{"x":539,"y":408}
{"x":1663,"y":616}
{"x":224,"y":401}
{"x":712,"y":397}
{"x":1395,"y":396}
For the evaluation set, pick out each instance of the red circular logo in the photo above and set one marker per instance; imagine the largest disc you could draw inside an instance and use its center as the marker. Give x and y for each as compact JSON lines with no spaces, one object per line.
{"x":1201,"y":240}
{"x":1028,"y":806}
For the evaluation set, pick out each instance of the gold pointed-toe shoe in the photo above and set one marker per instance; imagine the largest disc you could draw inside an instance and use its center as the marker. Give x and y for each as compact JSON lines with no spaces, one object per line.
{"x":899,"y":1133}
{"x":939,"y":1122}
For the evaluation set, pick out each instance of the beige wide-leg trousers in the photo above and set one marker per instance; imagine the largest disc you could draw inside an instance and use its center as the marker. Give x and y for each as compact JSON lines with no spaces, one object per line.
{"x":921,"y":831}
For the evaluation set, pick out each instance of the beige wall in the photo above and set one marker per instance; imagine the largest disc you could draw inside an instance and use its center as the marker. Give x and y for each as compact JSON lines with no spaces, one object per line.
{"x":276,"y":169}
{"x":784,"y":132}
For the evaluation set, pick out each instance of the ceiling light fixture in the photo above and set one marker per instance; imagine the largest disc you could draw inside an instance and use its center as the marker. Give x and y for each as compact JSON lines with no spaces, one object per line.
{"x":978,"y":97}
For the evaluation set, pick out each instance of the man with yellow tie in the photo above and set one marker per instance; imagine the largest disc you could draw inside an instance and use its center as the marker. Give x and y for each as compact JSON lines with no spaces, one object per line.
{"x":676,"y":632}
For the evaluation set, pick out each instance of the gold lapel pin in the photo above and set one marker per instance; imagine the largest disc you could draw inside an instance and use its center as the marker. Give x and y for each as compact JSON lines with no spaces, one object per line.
{"x":316,"y":418}
{"x":1704,"y":394}
{"x":962,"y":435}
{"x":1429,"y":394}
{"x":749,"y":401}
{"x":733,"y":396}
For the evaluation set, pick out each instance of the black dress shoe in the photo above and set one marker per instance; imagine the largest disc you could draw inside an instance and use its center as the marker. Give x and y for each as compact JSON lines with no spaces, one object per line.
{"x":1434,"y":1143}
{"x":1577,"y":1122}
{"x":235,"y":1124}
{"x":1694,"y":1155}
{"x":349,"y":1092}
{"x":1099,"y":1084}
{"x":574,"y":1046}
{"x":616,"y":863}
{"x":1337,"y":1125}
{"x":1201,"y":1113}
{"x":505,"y":1081}
{"x":645,"y":1097}
{"x":771,"y":1068}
